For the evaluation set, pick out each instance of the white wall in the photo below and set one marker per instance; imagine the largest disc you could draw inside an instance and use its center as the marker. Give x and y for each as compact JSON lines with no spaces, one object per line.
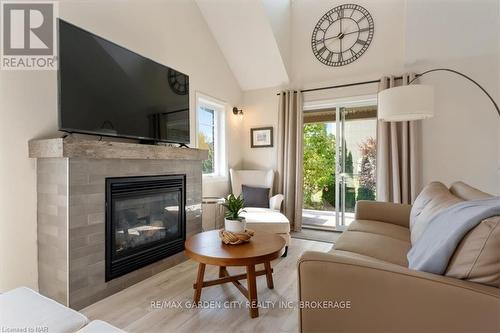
{"x":27,"y":110}
{"x":384,"y":56}
{"x":247,"y":39}
{"x":462,"y":141}
{"x":279,"y":14}
{"x":170,"y":32}
{"x":260,"y":109}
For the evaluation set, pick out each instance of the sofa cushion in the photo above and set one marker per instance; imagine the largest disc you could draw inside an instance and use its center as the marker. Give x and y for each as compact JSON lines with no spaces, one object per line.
{"x":254,"y":196}
{"x":381,"y":228}
{"x":467,"y":192}
{"x":379,"y":246}
{"x":23,"y":308}
{"x":356,"y":256}
{"x":477,"y":257}
{"x":433,"y":198}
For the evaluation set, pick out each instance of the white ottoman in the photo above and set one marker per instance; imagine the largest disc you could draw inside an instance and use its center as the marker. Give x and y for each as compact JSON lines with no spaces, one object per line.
{"x":268,"y":220}
{"x":24,"y":309}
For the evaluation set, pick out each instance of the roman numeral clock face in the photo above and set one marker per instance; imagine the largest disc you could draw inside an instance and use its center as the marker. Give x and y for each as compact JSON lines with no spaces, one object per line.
{"x":342,"y":35}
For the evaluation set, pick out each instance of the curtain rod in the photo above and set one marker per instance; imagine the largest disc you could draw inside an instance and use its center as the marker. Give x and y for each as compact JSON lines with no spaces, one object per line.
{"x":346,"y":85}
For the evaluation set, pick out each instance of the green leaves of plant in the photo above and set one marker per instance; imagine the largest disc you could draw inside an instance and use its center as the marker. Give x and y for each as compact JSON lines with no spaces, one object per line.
{"x":234,"y":207}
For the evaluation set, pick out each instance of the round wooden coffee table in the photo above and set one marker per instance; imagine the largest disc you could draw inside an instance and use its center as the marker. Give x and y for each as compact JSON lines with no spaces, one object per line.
{"x":207,"y":249}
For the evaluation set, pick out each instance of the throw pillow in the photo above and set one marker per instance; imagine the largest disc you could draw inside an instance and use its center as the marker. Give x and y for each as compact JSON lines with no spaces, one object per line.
{"x":433,"y":198}
{"x":255,"y":196}
{"x":477,"y":258}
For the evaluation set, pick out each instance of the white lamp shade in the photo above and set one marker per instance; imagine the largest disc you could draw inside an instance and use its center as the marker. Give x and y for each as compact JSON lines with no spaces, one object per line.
{"x":404,"y":103}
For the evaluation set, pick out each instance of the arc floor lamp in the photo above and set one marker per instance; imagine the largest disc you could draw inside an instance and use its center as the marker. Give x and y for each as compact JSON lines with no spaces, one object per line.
{"x":414,"y":102}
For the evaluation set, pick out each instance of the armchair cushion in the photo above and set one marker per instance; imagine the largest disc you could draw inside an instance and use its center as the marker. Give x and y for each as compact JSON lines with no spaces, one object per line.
{"x":272,"y":221}
{"x":254,"y":196}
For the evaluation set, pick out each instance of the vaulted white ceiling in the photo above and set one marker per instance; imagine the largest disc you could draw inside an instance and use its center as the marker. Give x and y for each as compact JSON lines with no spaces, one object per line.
{"x":252,"y":35}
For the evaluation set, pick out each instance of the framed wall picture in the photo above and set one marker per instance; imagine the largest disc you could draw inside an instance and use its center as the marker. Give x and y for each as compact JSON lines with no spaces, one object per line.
{"x":261,"y":137}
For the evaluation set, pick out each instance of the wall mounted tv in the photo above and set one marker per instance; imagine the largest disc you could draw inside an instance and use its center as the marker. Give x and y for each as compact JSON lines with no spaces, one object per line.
{"x":107,"y":90}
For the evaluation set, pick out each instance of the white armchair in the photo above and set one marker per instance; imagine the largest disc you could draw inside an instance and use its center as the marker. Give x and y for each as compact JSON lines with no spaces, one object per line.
{"x":275,"y":202}
{"x":265,"y":219}
{"x":261,"y":178}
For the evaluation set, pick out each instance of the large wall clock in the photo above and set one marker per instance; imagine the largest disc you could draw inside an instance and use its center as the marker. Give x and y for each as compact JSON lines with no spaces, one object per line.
{"x":178,"y":82}
{"x":342,"y":35}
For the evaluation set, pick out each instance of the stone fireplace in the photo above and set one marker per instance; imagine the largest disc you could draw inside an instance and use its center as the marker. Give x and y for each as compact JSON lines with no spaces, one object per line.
{"x":156,"y":195}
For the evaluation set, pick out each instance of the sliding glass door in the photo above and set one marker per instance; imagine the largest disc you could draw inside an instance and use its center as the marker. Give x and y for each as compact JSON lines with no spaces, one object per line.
{"x":339,"y":162}
{"x":319,"y":173}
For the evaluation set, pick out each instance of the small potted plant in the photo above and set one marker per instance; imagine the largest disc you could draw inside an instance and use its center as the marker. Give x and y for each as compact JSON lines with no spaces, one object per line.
{"x":233,"y":222}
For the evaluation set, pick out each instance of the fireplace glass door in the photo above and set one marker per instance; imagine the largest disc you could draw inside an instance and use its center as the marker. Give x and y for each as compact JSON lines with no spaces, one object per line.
{"x":145,"y":221}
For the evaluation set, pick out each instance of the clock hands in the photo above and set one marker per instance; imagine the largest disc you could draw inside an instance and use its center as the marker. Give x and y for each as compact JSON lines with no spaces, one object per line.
{"x":352,"y":32}
{"x":325,"y":39}
{"x":340,"y":36}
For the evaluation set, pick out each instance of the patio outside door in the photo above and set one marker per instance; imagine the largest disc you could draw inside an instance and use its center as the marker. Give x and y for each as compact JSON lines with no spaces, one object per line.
{"x":339,"y":162}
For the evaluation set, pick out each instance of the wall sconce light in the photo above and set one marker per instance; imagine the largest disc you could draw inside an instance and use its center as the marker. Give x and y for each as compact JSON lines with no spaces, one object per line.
{"x":238,"y":113}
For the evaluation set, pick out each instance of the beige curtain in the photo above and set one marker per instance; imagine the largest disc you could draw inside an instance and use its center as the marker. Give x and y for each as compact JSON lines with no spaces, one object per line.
{"x":398,"y":155}
{"x":290,"y":178}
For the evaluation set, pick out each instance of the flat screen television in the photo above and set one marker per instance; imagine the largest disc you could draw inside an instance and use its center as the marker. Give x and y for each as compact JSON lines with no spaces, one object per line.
{"x":108,"y":90}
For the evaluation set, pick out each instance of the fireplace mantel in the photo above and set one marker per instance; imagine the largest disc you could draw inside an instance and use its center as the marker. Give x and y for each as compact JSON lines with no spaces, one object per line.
{"x":71,"y":196}
{"x":78,"y":148}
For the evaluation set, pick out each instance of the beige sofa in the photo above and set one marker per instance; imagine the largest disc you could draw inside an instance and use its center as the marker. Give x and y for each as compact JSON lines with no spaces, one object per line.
{"x":372,"y":290}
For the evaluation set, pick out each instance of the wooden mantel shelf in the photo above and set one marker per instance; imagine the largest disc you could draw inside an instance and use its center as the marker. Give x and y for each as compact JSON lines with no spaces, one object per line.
{"x":77,"y":148}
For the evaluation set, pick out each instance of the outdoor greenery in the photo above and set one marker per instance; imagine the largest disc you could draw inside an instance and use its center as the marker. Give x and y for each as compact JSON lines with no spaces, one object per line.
{"x":367,"y":175}
{"x":319,"y":159}
{"x":234,"y":207}
{"x":319,"y":174}
{"x":207,"y":165}
{"x":328,"y":196}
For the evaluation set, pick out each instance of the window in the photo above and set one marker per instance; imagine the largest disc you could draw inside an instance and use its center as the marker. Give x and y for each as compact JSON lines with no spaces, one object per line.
{"x":211,"y":135}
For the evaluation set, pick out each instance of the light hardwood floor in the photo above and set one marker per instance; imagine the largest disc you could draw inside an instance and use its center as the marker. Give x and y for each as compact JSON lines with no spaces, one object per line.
{"x":131,"y":308}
